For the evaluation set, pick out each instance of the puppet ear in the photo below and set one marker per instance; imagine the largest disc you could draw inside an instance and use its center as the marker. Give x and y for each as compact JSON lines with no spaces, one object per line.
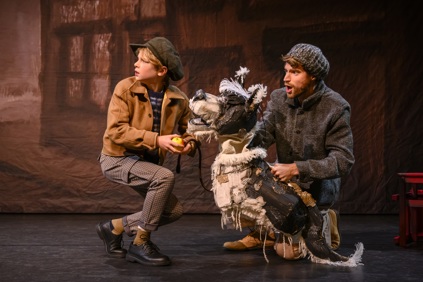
{"x":258,"y":93}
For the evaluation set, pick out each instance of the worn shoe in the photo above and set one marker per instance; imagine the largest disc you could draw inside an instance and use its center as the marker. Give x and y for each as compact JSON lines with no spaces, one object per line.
{"x":252,"y":241}
{"x":147,"y":254}
{"x":112,"y":242}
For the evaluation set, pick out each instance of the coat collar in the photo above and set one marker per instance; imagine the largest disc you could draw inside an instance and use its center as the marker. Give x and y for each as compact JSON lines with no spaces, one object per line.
{"x":138,"y":88}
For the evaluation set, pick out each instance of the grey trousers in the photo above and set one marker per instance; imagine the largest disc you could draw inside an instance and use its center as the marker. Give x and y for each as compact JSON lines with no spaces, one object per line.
{"x":153,"y":182}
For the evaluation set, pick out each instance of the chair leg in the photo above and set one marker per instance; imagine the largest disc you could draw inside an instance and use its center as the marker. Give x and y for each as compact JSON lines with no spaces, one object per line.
{"x":413,"y":224}
{"x":407,"y":222}
{"x":415,"y":207}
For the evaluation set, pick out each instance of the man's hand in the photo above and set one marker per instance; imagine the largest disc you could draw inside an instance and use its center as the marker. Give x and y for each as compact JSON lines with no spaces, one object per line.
{"x":284,"y":172}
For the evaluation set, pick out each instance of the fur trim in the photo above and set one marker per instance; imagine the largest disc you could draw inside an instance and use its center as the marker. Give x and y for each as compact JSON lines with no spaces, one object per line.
{"x":205,"y":134}
{"x":242,"y":158}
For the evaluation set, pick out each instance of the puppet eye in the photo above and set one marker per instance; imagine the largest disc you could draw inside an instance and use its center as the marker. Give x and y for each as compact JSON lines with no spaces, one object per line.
{"x":222,"y":99}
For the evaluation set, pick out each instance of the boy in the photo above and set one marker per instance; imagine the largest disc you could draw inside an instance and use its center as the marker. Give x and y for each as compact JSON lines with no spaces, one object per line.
{"x":144,"y":112}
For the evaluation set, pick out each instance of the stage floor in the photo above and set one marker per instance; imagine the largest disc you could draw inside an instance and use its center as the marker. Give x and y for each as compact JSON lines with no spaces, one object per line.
{"x":65,"y":247}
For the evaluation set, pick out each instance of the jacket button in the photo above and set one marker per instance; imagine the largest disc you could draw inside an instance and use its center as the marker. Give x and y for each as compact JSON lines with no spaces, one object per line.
{"x":149,"y":115}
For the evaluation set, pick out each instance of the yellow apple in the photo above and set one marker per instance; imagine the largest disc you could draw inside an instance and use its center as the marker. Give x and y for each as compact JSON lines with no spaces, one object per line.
{"x":180,"y":141}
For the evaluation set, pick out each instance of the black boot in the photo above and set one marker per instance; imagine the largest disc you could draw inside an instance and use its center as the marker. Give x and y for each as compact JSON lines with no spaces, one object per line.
{"x":147,"y":253}
{"x":112,"y":242}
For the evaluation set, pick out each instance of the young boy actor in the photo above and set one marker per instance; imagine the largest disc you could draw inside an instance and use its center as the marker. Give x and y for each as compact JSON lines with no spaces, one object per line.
{"x":144,"y":113}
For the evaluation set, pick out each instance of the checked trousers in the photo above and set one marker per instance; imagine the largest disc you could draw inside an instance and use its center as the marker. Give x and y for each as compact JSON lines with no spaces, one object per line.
{"x":153,"y":182}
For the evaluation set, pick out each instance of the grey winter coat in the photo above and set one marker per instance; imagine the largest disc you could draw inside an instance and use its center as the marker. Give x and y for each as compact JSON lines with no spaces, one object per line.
{"x":315,"y":135}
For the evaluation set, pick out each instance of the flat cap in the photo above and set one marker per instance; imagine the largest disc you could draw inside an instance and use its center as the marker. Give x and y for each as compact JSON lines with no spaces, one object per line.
{"x":164,"y":50}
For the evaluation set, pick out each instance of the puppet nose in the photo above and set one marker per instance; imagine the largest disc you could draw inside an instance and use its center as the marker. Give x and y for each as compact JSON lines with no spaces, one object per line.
{"x":199,"y":95}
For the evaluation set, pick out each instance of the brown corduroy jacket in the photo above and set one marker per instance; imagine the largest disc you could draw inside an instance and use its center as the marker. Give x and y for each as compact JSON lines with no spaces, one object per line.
{"x":130,"y":119}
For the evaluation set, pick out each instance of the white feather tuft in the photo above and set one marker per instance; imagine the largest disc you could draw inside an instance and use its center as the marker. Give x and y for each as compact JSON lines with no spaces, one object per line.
{"x":261,"y":92}
{"x":232,"y":86}
{"x":241,"y":74}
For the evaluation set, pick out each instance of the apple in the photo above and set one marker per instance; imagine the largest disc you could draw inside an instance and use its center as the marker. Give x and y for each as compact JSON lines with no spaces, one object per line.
{"x":180,"y":141}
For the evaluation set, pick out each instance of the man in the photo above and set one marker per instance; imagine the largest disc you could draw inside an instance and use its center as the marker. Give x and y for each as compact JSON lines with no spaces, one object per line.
{"x":310,"y":125}
{"x":144,"y":112}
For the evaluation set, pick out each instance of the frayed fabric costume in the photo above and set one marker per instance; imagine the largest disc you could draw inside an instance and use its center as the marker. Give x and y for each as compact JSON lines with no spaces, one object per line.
{"x":244,"y":187}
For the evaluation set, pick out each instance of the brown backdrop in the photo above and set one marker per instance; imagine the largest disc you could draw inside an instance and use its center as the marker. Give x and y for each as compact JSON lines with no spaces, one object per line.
{"x":61,"y":60}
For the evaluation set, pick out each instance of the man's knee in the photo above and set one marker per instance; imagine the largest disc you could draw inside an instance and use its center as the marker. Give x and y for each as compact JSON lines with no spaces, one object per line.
{"x":290,"y":248}
{"x":289,"y":252}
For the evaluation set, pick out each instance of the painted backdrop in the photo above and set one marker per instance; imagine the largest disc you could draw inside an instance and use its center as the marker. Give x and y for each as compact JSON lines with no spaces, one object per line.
{"x":61,"y":59}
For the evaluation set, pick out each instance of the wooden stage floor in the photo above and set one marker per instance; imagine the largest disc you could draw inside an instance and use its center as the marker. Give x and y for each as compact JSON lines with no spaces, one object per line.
{"x":65,"y":247}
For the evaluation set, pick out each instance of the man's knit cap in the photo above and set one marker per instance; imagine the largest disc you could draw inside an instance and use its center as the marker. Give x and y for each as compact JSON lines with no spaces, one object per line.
{"x":311,"y":58}
{"x":164,"y":50}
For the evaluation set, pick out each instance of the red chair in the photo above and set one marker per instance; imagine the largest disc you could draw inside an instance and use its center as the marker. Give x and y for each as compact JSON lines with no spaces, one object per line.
{"x":410,"y":199}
